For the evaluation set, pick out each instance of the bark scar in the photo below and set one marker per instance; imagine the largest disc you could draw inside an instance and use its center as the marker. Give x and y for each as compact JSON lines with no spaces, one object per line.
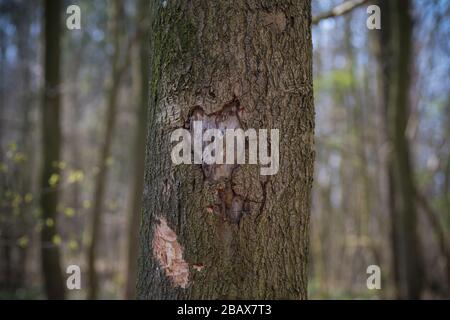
{"x":169,"y":254}
{"x":231,"y":206}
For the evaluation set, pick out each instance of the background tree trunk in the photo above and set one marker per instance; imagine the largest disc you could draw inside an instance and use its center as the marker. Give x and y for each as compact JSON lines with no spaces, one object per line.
{"x":111,"y":110}
{"x":51,"y":150}
{"x":395,"y":49}
{"x":212,"y":54}
{"x":141,"y":78}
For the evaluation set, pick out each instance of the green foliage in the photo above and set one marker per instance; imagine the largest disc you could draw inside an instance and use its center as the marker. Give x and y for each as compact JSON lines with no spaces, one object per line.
{"x":33,"y":293}
{"x":335,"y":80}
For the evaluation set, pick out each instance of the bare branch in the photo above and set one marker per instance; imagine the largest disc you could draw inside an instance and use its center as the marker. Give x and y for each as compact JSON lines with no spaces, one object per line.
{"x":339,"y":10}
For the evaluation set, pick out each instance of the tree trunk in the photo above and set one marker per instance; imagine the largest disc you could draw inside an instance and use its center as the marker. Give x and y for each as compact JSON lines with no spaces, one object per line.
{"x":241,"y":234}
{"x":23,"y":23}
{"x":141,"y":75}
{"x":395,"y":48}
{"x":51,"y":149}
{"x":100,"y":183}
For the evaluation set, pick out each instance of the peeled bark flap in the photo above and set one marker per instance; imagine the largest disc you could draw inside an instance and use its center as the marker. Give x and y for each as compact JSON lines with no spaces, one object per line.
{"x":207,"y":54}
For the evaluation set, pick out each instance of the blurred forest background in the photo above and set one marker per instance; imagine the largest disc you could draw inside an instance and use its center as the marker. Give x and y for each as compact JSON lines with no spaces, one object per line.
{"x":95,"y":144}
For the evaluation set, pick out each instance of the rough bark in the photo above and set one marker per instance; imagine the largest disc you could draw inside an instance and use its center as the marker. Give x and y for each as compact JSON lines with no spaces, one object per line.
{"x":51,"y":150}
{"x":256,"y":55}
